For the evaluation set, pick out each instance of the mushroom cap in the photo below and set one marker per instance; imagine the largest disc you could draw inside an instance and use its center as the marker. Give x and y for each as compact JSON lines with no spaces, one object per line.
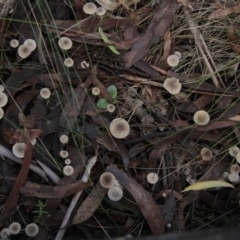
{"x":115,"y":193}
{"x":95,"y":91}
{"x":107,"y":180}
{"x":5,"y":233}
{"x":111,"y":108}
{"x":31,"y":43}
{"x":14,"y":43}
{"x":201,"y":118}
{"x":238,"y":157}
{"x":235,"y":169}
{"x":33,"y":141}
{"x":119,"y":128}
{"x":63,"y":139}
{"x":101,"y":11}
{"x":65,"y":43}
{"x":68,"y":170}
{"x":14,"y":228}
{"x":233,"y":151}
{"x":68,"y":62}
{"x":31,"y":229}
{"x":1,"y":113}
{"x":3,"y":99}
{"x":45,"y":93}
{"x":89,"y":8}
{"x":206,"y":154}
{"x":83,"y":63}
{"x":178,"y":54}
{"x":233,"y":177}
{"x":18,"y":150}
{"x":64,"y":153}
{"x":1,"y":88}
{"x":24,"y":51}
{"x":173,"y":60}
{"x":67,"y":161}
{"x":172,"y":85}
{"x":152,"y":178}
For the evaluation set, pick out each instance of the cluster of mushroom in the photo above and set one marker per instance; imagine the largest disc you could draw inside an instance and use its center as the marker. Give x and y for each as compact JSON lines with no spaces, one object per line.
{"x":24,"y":50}
{"x":115,"y":192}
{"x":67,"y":170}
{"x":234,"y":170}
{"x":14,"y":228}
{"x":91,"y":8}
{"x":3,"y":100}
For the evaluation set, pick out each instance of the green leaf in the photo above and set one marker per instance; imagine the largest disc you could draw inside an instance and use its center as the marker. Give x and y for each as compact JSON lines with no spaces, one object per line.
{"x":114,"y":101}
{"x":207,"y":184}
{"x":112,"y":91}
{"x":102,"y":103}
{"x":114,"y":50}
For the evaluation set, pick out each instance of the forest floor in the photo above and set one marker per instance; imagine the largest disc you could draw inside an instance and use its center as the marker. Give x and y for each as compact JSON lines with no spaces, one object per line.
{"x":181,"y":112}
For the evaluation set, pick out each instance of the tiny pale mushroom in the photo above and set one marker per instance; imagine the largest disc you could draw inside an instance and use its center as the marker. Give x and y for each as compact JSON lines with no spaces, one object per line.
{"x":233,"y":151}
{"x":14,"y":43}
{"x":111,"y":108}
{"x":1,"y":88}
{"x":173,"y":60}
{"x":31,"y":229}
{"x":45,"y":93}
{"x":24,"y":51}
{"x":206,"y":154}
{"x":115,"y":193}
{"x":95,"y":91}
{"x":31,"y":43}
{"x":235,"y":169}
{"x":90,"y":8}
{"x":68,"y":170}
{"x":65,"y":43}
{"x":178,"y":54}
{"x":64,"y":153}
{"x":84,"y":64}
{"x":14,"y":228}
{"x":18,"y":150}
{"x":3,"y":99}
{"x":152,"y":178}
{"x":233,"y":177}
{"x":68,"y":62}
{"x":172,"y":85}
{"x":107,"y":180}
{"x":67,"y":161}
{"x":119,"y":128}
{"x":5,"y":233}
{"x":63,"y":139}
{"x":201,"y":118}
{"x":101,"y":11}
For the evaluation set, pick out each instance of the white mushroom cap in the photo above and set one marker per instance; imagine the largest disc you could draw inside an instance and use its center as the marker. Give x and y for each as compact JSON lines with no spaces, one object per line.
{"x":89,"y":8}
{"x":64,"y":153}
{"x":24,"y":51}
{"x":119,"y":128}
{"x":45,"y":93}
{"x":152,"y":178}
{"x":14,"y":228}
{"x":172,"y":85}
{"x":3,"y":99}
{"x":95,"y":91}
{"x":14,"y":43}
{"x":233,"y":151}
{"x":206,"y":154}
{"x":107,"y":180}
{"x":67,"y":161}
{"x":31,"y":229}
{"x":111,"y":108}
{"x":1,"y":88}
{"x":33,"y":141}
{"x":233,"y":177}
{"x":68,"y":170}
{"x":65,"y":43}
{"x":63,"y":139}
{"x":115,"y":193}
{"x":31,"y":43}
{"x":235,"y":169}
{"x":1,"y":113}
{"x":201,"y":118}
{"x":101,"y":11}
{"x":18,"y":150}
{"x":178,"y":54}
{"x":68,"y":62}
{"x":83,"y":63}
{"x":238,"y":157}
{"x":173,"y":60}
{"x":5,"y":233}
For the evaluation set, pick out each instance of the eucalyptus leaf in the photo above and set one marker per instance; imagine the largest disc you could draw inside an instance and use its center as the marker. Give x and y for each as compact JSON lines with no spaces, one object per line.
{"x":112,"y":91}
{"x":102,"y":103}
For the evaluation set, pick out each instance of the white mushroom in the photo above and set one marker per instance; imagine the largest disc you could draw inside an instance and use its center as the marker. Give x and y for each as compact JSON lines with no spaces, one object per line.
{"x":68,"y":170}
{"x":14,"y":228}
{"x":107,"y":180}
{"x":172,"y":85}
{"x":68,"y":62}
{"x":111,"y":108}
{"x":24,"y":51}
{"x":14,"y":43}
{"x":31,"y":43}
{"x":65,"y":43}
{"x":45,"y":93}
{"x":90,"y":8}
{"x":173,"y":60}
{"x":115,"y":193}
{"x":101,"y":11}
{"x":18,"y":150}
{"x":95,"y":91}
{"x":201,"y":118}
{"x":64,"y":153}
{"x":32,"y":229}
{"x":63,"y":139}
{"x":152,"y":178}
{"x":119,"y":128}
{"x":3,"y":99}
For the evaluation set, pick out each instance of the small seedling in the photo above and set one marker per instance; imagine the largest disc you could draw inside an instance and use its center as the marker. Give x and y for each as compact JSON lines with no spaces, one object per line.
{"x":40,"y":211}
{"x":103,"y":103}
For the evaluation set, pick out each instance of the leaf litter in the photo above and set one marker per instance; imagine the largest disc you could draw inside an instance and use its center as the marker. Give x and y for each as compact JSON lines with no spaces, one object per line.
{"x":127,"y":49}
